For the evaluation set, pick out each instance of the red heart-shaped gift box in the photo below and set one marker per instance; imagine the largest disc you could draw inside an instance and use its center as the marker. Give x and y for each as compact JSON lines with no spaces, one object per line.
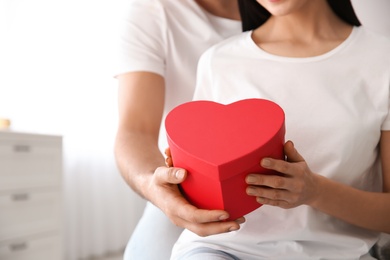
{"x":219,"y":145}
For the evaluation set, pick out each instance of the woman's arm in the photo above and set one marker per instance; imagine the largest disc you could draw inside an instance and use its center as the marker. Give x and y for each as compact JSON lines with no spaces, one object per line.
{"x":300,"y":186}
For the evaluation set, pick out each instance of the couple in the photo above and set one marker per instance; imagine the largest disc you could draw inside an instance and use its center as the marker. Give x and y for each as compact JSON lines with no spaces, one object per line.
{"x":329,"y":75}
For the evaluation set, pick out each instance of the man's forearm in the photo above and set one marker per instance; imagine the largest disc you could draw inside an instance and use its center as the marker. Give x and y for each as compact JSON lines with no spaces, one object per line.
{"x":137,"y":156}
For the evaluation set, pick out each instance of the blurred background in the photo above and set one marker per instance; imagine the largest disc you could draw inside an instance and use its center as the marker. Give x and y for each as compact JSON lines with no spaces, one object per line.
{"x":57,"y":61}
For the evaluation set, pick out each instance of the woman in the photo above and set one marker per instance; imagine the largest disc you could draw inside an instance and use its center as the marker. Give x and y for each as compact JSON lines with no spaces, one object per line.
{"x":332,"y":79}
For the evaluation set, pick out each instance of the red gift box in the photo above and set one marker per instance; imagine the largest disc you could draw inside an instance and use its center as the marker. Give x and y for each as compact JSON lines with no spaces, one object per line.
{"x":219,"y":145}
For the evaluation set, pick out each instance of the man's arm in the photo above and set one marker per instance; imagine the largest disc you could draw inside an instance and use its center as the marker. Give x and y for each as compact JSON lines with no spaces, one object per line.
{"x":141,"y":103}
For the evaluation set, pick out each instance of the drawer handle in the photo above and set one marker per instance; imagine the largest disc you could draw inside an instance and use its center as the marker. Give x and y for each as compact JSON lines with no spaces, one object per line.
{"x":18,"y":246}
{"x":20,"y":148}
{"x":20,"y":197}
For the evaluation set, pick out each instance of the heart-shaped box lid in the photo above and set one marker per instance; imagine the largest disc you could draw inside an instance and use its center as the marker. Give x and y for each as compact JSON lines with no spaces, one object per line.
{"x":216,"y":143}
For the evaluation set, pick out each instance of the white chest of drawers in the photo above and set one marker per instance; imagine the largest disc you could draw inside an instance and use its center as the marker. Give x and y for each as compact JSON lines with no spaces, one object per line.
{"x":30,"y":196}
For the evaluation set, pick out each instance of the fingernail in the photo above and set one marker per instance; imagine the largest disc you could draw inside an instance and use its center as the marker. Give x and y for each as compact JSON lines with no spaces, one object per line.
{"x":179,"y":174}
{"x":233,"y":228}
{"x":250,"y":179}
{"x":240,"y":220}
{"x":223,"y":217}
{"x":265,"y":162}
{"x":250,"y":191}
{"x":260,"y":200}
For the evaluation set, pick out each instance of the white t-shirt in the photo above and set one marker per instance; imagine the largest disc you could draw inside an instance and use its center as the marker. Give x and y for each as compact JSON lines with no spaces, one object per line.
{"x":167,"y":37}
{"x":336,"y":105}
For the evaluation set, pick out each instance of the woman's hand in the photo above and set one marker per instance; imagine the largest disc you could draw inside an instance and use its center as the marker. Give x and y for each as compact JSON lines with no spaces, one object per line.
{"x":296,"y":185}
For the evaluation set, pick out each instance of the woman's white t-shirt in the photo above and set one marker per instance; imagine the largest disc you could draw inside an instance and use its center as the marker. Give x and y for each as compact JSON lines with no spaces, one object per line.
{"x":167,"y":37}
{"x":336,"y":106}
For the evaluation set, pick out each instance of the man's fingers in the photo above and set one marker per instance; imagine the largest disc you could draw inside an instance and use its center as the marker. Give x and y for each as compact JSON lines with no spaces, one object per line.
{"x":170,"y":175}
{"x":200,"y":221}
{"x":195,"y":215}
{"x":208,"y":222}
{"x":167,"y":152}
{"x":213,"y":228}
{"x":169,"y":162}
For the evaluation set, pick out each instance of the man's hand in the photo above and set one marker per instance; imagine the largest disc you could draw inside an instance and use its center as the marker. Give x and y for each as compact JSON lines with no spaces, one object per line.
{"x":167,"y":196}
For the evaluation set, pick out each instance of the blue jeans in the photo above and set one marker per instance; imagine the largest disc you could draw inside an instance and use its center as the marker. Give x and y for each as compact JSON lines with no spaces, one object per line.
{"x":154,"y":236}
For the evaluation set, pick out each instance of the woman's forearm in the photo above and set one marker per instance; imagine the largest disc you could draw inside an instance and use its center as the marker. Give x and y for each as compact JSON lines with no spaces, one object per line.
{"x":370,"y":210}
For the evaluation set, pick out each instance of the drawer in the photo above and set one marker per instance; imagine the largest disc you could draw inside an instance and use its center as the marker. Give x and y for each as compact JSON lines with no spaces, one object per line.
{"x":26,"y":164}
{"x":28,"y":213}
{"x":47,"y":247}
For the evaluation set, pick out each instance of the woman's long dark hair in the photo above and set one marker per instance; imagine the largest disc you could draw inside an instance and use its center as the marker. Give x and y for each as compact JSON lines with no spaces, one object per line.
{"x":253,"y":14}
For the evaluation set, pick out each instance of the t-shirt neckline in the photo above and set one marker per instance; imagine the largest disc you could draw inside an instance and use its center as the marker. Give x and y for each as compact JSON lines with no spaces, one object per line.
{"x":323,"y":56}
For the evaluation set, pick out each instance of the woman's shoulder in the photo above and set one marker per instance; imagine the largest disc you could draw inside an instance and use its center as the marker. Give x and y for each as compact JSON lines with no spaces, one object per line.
{"x":369,"y":51}
{"x":234,"y":45}
{"x":229,"y":50}
{"x":372,"y":38}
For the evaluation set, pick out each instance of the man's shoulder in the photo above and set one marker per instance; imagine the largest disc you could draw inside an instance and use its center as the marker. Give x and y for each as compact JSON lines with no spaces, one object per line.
{"x":165,"y":4}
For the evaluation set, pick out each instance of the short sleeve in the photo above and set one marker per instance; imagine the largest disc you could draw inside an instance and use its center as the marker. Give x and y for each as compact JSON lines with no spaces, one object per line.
{"x":203,"y":89}
{"x":386,"y":122}
{"x":142,"y":38}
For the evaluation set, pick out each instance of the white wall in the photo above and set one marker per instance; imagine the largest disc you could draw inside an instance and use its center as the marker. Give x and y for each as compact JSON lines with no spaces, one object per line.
{"x":374,"y":14}
{"x":56,"y":76}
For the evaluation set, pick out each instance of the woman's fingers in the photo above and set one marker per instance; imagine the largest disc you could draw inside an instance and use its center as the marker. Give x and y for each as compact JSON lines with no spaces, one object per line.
{"x":291,"y":153}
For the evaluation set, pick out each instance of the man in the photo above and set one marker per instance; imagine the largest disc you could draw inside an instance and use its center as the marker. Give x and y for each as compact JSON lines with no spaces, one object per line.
{"x":161,"y":43}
